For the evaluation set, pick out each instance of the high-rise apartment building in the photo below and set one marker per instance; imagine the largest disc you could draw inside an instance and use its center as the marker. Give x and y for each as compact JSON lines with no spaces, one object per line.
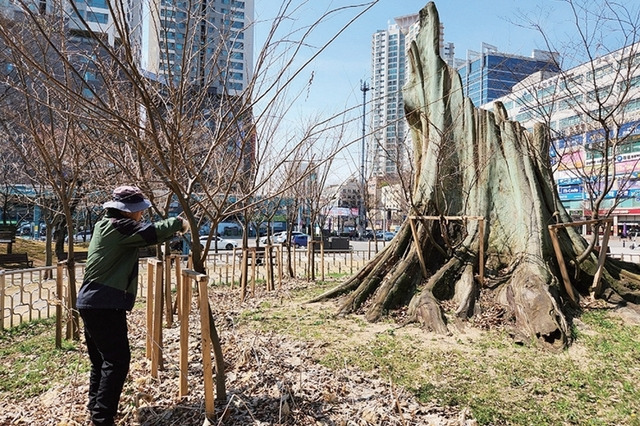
{"x":388,"y":67}
{"x":214,"y":39}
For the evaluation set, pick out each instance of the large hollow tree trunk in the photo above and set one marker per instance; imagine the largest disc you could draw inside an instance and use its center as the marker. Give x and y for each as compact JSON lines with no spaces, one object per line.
{"x":475,"y":163}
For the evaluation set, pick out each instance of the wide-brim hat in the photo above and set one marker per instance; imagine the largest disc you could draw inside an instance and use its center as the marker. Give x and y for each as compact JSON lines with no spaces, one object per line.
{"x":127,"y":199}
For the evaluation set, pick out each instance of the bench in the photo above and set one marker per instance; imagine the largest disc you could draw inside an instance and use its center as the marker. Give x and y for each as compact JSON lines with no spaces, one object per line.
{"x":8,"y":236}
{"x":259,"y":254}
{"x":78,"y":256}
{"x":16,"y":260}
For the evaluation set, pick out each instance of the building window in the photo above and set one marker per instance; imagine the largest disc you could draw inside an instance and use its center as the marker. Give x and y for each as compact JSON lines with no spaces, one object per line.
{"x":101,"y":18}
{"x":97,"y":3}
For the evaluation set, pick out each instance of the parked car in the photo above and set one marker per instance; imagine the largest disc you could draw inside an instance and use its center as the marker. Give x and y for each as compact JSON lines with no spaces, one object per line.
{"x":281,"y":238}
{"x":368,"y":234}
{"x":274,"y":238}
{"x":300,"y":240}
{"x":223,"y":243}
{"x":81,"y":237}
{"x":387,"y":235}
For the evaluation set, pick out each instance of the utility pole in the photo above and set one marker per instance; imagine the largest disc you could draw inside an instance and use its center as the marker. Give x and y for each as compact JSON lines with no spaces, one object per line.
{"x":361,"y":211}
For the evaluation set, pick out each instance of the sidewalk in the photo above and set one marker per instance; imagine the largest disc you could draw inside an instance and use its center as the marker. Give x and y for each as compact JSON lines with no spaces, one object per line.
{"x":620,"y":245}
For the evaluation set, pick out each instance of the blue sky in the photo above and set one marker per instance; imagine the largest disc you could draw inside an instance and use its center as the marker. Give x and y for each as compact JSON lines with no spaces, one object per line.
{"x":337,"y":72}
{"x":467,"y":23}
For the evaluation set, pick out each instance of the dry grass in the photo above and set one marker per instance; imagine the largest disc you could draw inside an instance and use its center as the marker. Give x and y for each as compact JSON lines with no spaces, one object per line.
{"x":35,"y":249}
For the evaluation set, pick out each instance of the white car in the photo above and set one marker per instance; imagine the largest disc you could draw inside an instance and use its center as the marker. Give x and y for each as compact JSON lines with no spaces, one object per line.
{"x":281,"y":237}
{"x":81,"y":237}
{"x":223,"y":243}
{"x":275,"y":238}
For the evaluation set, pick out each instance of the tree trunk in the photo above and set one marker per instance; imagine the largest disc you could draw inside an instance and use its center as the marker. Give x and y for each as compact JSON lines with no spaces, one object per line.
{"x":473,"y":162}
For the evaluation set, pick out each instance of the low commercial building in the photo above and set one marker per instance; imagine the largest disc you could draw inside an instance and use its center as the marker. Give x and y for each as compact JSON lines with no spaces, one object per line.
{"x":593,"y":113}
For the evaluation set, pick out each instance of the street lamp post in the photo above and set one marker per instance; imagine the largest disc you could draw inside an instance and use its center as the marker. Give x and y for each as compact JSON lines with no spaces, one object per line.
{"x":361,"y":211}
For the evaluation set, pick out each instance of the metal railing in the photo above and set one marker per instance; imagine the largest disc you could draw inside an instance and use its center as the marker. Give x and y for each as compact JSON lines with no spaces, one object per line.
{"x":30,"y":294}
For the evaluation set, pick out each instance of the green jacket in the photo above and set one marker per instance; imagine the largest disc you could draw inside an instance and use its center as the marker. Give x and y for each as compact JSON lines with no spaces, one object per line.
{"x":111,"y":274}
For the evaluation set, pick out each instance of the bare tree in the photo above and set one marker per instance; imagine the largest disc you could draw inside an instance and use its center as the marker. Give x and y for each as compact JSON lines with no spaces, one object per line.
{"x":45,"y":131}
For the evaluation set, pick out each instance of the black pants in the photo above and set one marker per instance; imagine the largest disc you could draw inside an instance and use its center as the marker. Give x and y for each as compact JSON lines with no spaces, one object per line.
{"x":105,"y":331}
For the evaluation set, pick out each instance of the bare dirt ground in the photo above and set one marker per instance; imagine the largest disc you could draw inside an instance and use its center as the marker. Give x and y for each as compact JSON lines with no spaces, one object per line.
{"x":271,"y":379}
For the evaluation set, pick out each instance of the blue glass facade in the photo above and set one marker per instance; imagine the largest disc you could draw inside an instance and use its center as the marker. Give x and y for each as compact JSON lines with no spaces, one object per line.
{"x":492,"y":75}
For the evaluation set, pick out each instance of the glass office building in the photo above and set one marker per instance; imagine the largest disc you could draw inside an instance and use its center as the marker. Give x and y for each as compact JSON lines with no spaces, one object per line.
{"x":489,"y":74}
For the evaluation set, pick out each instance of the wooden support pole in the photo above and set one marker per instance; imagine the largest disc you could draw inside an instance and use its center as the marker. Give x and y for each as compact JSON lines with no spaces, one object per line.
{"x":178,"y":260}
{"x":69,"y":312}
{"x":553,"y":231}
{"x":295,"y":267}
{"x":233,"y":269}
{"x":2,"y":293}
{"x":322,"y":259}
{"x":207,"y":365}
{"x":414,"y":233}
{"x":149,"y":339}
{"x":351,"y":262}
{"x":481,"y":250}
{"x":185,"y":306}
{"x":268,"y":264}
{"x":253,"y":270}
{"x":280,"y":258}
{"x":602,"y":256}
{"x":156,"y":344}
{"x":596,"y":286}
{"x":168,"y":303}
{"x":59,"y":295}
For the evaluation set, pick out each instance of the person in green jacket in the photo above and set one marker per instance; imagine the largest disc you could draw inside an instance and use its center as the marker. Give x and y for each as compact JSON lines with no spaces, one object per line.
{"x":109,"y":290}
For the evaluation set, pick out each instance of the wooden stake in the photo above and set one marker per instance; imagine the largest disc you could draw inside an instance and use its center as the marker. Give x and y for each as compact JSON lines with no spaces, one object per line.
{"x":481,"y":250}
{"x":185,"y":305}
{"x":563,"y":268}
{"x":414,"y":233}
{"x":167,"y":291}
{"x":156,"y":344}
{"x":149,"y":308}
{"x":207,"y":365}
{"x":597,"y":282}
{"x":59,"y":293}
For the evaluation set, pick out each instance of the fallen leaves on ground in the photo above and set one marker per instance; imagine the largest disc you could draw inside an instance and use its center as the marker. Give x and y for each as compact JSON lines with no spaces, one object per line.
{"x":271,"y":379}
